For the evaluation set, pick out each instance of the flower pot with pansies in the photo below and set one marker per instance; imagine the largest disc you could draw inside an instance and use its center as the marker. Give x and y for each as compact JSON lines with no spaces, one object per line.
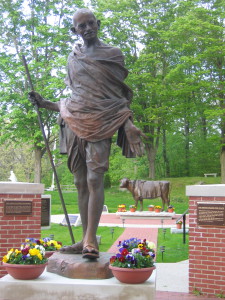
{"x":158,"y":208}
{"x":134,"y":263}
{"x":121,"y":208}
{"x":170,"y":209}
{"x":151,"y":207}
{"x":179,"y":224}
{"x":132,"y":208}
{"x":28,"y":262}
{"x":50,"y":245}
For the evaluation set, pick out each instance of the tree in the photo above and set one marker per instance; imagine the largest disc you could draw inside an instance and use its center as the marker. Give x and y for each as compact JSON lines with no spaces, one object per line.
{"x":174,"y":52}
{"x":39,"y":30}
{"x":197,"y":38}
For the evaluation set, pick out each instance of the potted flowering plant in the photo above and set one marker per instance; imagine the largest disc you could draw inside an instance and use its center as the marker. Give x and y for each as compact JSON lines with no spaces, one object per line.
{"x":170,"y":208}
{"x":28,"y":262}
{"x":134,"y":263}
{"x":121,"y":208}
{"x":132,"y":208}
{"x":48,"y":243}
{"x":158,"y":208}
{"x":179,"y":224}
{"x":151,"y":207}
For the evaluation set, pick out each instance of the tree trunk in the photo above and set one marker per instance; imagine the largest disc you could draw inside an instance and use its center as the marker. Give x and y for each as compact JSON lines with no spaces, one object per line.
{"x":151,"y":153}
{"x":37,"y":164}
{"x":165,"y":157}
{"x":187,"y":140}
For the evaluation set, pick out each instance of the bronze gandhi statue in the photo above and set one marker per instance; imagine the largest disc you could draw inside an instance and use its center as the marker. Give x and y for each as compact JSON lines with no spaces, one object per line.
{"x":97,"y":108}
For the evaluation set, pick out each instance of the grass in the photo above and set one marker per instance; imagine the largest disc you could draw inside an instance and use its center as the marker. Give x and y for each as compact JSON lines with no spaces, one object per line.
{"x":175,"y":250}
{"x":114,"y":196}
{"x":61,"y":233}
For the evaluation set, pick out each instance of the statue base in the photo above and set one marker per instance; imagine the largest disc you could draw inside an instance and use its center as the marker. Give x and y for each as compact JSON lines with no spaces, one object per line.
{"x":52,"y":286}
{"x":74,"y":266}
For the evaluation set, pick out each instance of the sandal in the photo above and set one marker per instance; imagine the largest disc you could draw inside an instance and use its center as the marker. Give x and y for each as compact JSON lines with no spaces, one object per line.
{"x":90,"y":252}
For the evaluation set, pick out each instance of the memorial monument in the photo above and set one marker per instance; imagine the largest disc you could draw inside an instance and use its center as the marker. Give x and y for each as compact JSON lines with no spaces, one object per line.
{"x":97,"y":108}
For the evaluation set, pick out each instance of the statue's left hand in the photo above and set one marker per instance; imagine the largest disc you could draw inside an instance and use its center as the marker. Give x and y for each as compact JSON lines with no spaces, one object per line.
{"x":134,"y":138}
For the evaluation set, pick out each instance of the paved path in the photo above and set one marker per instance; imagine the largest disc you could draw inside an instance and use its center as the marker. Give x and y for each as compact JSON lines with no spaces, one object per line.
{"x":149,"y":234}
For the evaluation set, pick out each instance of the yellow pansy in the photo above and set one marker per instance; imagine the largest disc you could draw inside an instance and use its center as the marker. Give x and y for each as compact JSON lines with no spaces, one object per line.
{"x":34,"y":251}
{"x":5,"y":258}
{"x":17,"y":251}
{"x":140,"y":246}
{"x":58,"y":246}
{"x":39,"y":256}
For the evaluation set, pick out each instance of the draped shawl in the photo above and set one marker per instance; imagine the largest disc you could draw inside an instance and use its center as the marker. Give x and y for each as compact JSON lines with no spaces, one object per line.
{"x":99,"y":103}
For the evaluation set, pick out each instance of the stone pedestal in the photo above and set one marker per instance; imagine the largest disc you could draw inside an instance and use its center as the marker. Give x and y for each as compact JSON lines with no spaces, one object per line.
{"x":74,"y":266}
{"x":51,"y":286}
{"x":144,"y":215}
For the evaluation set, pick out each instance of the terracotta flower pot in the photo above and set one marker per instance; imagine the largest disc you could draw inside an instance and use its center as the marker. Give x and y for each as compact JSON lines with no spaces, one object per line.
{"x":170,"y":210}
{"x":24,"y":272}
{"x":135,"y":276}
{"x":150,"y":208}
{"x":157,"y":210}
{"x":179,"y":226}
{"x":132,"y":209}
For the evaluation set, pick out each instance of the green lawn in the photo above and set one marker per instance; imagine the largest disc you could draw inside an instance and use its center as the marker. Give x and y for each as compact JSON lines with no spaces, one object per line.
{"x":175,"y":249}
{"x":61,"y":233}
{"x":114,"y":196}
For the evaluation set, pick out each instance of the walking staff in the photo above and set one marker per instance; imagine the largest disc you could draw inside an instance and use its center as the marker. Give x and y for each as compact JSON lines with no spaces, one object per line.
{"x":49,"y":153}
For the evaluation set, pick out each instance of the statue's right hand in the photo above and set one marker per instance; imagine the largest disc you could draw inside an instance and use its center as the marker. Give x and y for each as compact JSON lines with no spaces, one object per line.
{"x":36,"y":99}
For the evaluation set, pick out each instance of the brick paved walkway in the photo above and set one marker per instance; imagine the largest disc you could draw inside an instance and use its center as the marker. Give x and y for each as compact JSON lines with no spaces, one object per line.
{"x":149,"y":234}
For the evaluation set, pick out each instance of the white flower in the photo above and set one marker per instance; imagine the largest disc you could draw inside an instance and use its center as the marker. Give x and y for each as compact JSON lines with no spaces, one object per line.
{"x":150,"y":245}
{"x":41,"y":249}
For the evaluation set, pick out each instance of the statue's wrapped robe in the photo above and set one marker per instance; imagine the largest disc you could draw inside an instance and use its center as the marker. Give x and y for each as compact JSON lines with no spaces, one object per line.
{"x":99,"y":103}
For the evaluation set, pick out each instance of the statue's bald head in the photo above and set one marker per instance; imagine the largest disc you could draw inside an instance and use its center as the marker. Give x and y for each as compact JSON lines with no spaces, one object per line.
{"x":80,"y":12}
{"x":82,"y":16}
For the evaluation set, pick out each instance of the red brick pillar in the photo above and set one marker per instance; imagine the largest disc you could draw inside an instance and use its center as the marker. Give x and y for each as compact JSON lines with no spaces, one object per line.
{"x":206,"y":242}
{"x":21,"y":218}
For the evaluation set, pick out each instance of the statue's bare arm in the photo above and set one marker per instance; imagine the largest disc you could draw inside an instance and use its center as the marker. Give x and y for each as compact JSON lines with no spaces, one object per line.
{"x":37,"y":99}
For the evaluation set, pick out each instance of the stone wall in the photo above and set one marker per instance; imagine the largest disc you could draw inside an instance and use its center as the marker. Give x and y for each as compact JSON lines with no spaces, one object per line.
{"x":206,"y":243}
{"x":16,"y":228}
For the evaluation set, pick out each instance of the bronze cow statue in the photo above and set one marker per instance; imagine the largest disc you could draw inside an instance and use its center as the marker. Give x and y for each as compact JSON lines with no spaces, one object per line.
{"x":143,"y":189}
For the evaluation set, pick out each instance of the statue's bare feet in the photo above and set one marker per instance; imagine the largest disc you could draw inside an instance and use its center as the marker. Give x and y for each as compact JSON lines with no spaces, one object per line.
{"x":90,"y":252}
{"x":73,"y":249}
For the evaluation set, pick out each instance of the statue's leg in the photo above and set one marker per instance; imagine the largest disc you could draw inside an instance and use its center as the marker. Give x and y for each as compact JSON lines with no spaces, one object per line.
{"x":136,"y":202}
{"x":95,"y":183}
{"x":163,"y":203}
{"x":97,"y":161}
{"x":80,"y":179}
